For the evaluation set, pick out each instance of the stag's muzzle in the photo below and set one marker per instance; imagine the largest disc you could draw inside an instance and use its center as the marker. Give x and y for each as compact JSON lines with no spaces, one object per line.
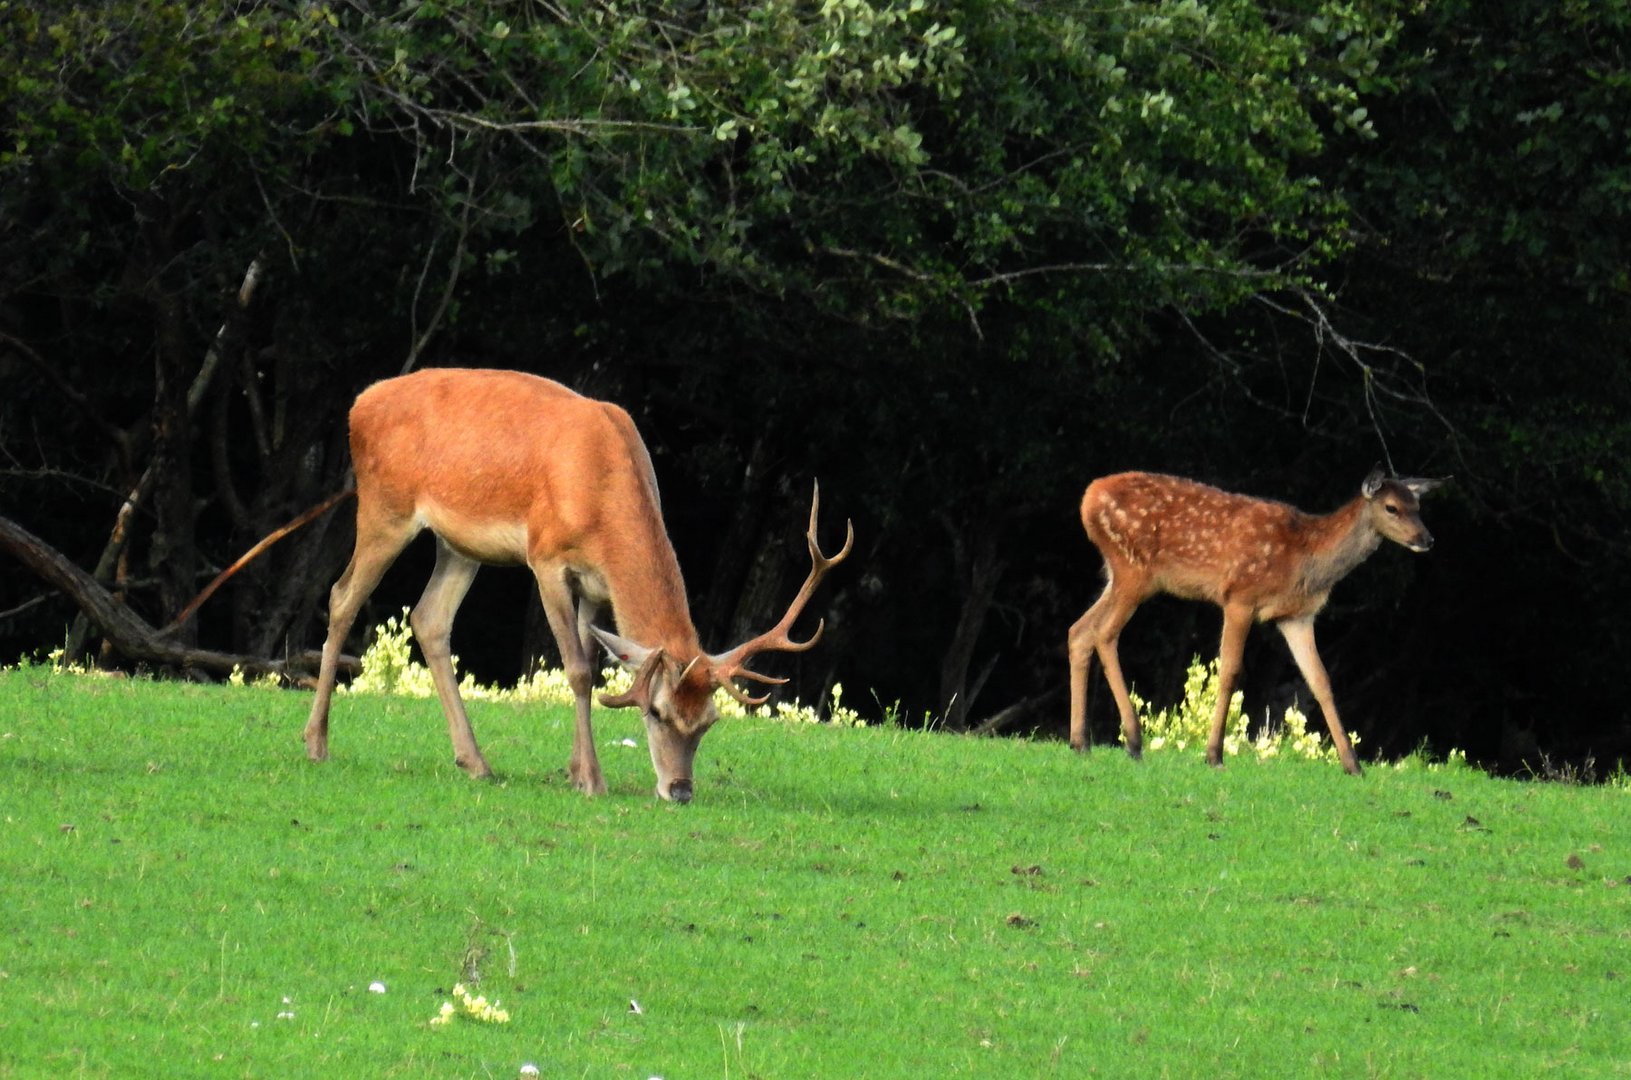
{"x":678,"y":791}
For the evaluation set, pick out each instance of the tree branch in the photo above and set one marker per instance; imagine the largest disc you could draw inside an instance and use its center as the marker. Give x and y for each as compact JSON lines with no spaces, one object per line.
{"x":454,"y":269}
{"x":129,"y":634}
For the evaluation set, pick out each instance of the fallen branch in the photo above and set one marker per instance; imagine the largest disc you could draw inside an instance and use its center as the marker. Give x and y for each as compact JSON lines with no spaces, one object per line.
{"x":130,"y":634}
{"x":1015,"y":714}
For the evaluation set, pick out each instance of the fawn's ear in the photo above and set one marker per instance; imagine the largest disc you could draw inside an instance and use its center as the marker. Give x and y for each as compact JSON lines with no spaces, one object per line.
{"x":1419,"y":487}
{"x":1373,"y":483}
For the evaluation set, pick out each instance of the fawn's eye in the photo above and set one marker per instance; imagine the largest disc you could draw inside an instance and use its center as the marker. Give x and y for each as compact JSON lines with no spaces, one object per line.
{"x":1391,"y":509}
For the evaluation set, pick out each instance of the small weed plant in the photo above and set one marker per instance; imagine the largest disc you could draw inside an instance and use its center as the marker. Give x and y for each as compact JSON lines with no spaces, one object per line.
{"x":1189,"y":722}
{"x":388,"y":667}
{"x":474,"y":1007}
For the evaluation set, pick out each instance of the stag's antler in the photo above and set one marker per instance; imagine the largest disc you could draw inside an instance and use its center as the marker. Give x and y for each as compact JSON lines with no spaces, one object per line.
{"x":729,"y":665}
{"x":638,"y":695}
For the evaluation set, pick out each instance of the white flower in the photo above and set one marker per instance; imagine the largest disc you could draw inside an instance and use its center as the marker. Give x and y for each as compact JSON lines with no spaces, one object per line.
{"x":376,"y":987}
{"x":529,"y":1069}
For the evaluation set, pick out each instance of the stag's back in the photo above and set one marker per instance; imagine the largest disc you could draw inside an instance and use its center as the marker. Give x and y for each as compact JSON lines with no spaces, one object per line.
{"x":508,"y":460}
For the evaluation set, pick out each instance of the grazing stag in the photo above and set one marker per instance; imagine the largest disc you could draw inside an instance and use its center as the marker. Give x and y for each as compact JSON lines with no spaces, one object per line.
{"x":509,"y":468}
{"x":1254,"y":558}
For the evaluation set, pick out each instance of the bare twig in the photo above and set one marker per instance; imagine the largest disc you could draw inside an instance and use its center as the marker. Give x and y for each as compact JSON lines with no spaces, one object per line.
{"x":250,"y":555}
{"x":421,"y":338}
{"x":75,"y":397}
{"x":26,"y":605}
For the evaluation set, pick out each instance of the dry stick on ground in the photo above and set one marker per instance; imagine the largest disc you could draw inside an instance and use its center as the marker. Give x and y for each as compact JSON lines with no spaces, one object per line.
{"x":129,"y":633}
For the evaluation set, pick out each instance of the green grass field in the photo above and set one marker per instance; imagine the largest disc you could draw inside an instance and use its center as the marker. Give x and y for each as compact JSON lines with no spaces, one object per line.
{"x":183,"y":894}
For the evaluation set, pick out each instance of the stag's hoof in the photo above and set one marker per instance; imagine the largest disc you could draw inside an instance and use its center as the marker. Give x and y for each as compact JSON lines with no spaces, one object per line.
{"x":588,"y":783}
{"x":477,"y":771}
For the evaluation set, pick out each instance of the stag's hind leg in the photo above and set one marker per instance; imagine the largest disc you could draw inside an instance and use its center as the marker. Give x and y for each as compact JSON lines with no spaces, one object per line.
{"x":1098,"y":631}
{"x":380,"y":539}
{"x":432,"y":622}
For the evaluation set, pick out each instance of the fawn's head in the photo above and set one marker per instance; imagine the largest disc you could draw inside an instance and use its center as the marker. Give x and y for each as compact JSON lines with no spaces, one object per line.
{"x":1394,"y":506}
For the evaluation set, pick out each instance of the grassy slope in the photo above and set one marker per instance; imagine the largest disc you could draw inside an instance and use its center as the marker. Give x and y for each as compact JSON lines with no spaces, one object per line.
{"x":836,"y":903}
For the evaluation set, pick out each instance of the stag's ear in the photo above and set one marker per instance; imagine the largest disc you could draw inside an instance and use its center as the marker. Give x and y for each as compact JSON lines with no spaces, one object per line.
{"x":631,"y":654}
{"x":640,"y":694}
{"x":1373,"y":483}
{"x":1419,"y":487}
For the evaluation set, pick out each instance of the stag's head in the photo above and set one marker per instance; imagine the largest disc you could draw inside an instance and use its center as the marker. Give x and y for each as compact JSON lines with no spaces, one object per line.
{"x":676,"y":699}
{"x":1394,"y":506}
{"x":676,"y":702}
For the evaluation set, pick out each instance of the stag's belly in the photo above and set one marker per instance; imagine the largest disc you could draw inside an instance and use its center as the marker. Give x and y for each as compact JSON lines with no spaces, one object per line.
{"x":487,"y":540}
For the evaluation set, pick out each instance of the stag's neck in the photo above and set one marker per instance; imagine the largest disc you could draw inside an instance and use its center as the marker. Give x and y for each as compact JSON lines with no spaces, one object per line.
{"x":648,"y":600}
{"x":1346,"y":538}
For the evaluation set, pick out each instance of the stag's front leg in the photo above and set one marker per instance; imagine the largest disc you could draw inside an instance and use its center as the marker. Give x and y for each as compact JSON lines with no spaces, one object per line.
{"x":583,"y":767}
{"x":432,"y":622}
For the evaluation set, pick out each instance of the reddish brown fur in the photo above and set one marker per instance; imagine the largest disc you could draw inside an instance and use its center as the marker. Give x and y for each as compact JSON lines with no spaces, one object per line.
{"x":511,"y":468}
{"x":571,"y":469}
{"x":1255,"y":558}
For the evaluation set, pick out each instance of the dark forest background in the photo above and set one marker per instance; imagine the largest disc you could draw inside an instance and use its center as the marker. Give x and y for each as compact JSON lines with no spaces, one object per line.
{"x":952,"y":259}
